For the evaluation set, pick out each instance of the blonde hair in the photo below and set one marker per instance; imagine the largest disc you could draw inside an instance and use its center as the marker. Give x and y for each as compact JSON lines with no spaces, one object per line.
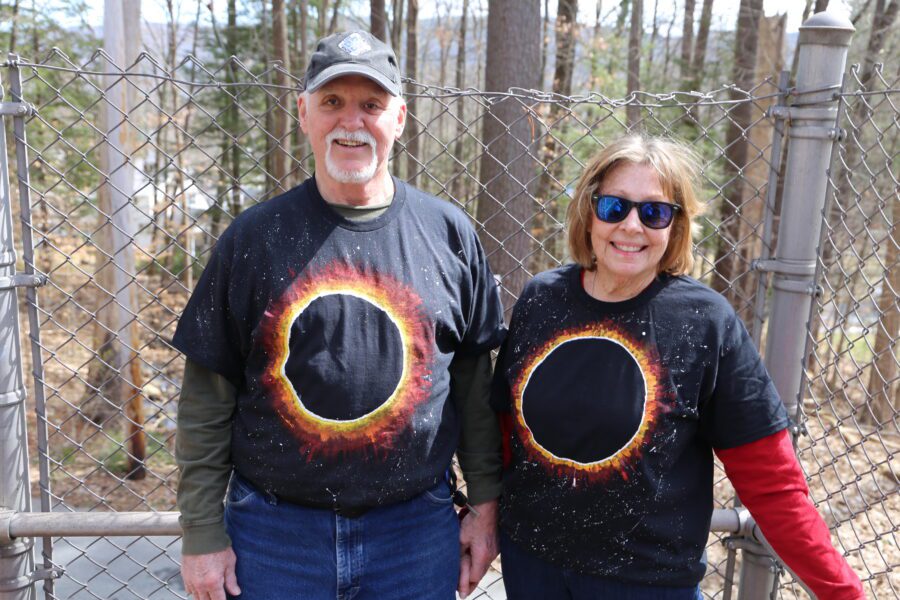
{"x":678,"y":169}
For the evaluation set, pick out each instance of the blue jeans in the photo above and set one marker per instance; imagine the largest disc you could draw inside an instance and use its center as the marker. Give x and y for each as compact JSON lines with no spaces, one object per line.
{"x":286,"y":551}
{"x":527,"y":577}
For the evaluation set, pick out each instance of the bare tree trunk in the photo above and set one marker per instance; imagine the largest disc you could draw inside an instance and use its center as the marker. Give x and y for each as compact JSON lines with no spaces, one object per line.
{"x":636,"y":33}
{"x":596,"y":40}
{"x":687,"y":41}
{"x":304,"y":30}
{"x":396,"y":26}
{"x":769,"y":59}
{"x":654,"y":34}
{"x":737,"y":149}
{"x":281,"y":156}
{"x":506,"y":204}
{"x":412,"y":123}
{"x":335,"y":12}
{"x":231,"y":40}
{"x":322,"y":24}
{"x":14,"y":21}
{"x":821,"y":5}
{"x":549,"y":186}
{"x":624,"y":7}
{"x":883,"y":385}
{"x":459,"y":178}
{"x":114,"y":377}
{"x":378,"y":22}
{"x":699,"y":58}
{"x":545,"y":42}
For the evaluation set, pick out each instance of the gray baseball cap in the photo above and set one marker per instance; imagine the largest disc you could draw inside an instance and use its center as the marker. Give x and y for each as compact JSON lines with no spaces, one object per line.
{"x":353,"y":53}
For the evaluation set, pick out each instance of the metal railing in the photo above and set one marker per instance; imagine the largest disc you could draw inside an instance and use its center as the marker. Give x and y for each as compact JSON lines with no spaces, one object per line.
{"x":126,"y":175}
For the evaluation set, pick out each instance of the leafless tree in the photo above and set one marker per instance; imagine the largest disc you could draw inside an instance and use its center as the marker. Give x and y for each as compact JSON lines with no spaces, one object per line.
{"x":114,"y":376}
{"x":412,"y":124}
{"x":396,"y":25}
{"x":13,"y":23}
{"x":636,"y":34}
{"x":698,"y":61}
{"x":378,"y":21}
{"x":459,"y":178}
{"x":504,"y":207}
{"x":687,"y":41}
{"x":281,"y":156}
{"x":550,"y":186}
{"x":737,"y":149}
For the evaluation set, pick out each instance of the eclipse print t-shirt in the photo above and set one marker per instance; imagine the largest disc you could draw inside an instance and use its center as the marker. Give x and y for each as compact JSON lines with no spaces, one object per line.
{"x":337,"y":335}
{"x":615,"y":410}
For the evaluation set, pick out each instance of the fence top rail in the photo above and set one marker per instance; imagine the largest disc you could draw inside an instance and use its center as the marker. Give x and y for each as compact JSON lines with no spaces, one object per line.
{"x":725,"y":95}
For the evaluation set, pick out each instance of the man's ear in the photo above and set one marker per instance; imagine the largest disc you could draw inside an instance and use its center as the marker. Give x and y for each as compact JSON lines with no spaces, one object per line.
{"x":302,"y":105}
{"x":401,"y":118}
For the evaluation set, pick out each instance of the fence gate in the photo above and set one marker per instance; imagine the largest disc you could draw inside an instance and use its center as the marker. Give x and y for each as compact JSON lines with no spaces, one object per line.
{"x":126,"y":174}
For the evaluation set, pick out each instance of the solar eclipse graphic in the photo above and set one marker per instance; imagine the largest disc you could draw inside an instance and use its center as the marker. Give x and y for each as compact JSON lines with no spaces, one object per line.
{"x":587,"y":402}
{"x":349,"y":357}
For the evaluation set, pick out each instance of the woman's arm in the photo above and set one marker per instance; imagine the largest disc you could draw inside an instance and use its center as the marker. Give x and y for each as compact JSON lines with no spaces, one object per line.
{"x":770,"y":483}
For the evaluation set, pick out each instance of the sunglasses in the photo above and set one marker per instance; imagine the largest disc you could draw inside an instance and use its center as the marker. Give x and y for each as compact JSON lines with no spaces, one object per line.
{"x":653,"y":214}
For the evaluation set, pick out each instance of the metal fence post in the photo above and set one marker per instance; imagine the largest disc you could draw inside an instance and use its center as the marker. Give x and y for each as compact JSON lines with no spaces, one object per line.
{"x":824,"y":41}
{"x":823,"y":45}
{"x":16,"y":556}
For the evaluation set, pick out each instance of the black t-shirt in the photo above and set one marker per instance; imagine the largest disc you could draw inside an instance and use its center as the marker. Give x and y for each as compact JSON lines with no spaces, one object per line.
{"x":616,"y":407}
{"x":338,"y":335}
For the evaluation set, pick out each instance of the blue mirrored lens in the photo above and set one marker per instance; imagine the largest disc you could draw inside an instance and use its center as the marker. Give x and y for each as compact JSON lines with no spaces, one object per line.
{"x":655,"y":215}
{"x":611,"y":209}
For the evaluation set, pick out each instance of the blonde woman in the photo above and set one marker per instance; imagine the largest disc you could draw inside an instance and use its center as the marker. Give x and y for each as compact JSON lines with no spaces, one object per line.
{"x":620,"y":378}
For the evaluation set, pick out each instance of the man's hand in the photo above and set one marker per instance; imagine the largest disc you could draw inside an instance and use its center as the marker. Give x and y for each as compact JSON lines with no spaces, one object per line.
{"x":478,"y":545}
{"x":207,"y":576}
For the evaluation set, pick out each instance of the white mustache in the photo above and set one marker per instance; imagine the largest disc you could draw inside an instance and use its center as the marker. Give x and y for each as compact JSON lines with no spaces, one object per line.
{"x":361,"y":135}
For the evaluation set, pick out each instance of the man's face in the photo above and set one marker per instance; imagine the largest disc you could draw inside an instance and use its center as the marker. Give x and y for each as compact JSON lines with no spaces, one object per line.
{"x":351,"y":124}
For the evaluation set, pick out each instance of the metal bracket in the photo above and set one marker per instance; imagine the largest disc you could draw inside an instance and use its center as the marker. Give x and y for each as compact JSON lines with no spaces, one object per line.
{"x":51,"y":573}
{"x":810,"y":288}
{"x":25,"y":581}
{"x":6,"y":515}
{"x":22,"y":280}
{"x":797,"y":112}
{"x":16,"y":109}
{"x":799,"y":268}
{"x":799,"y":430}
{"x":16,"y":396}
{"x":812,"y":132}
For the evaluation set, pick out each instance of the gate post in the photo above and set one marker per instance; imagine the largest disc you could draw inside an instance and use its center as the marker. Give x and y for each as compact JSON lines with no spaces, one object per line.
{"x":823,"y":45}
{"x":824,"y":41}
{"x":16,"y":556}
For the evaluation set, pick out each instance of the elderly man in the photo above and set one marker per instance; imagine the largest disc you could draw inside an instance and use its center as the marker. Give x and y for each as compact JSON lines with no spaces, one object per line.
{"x":338,"y":353}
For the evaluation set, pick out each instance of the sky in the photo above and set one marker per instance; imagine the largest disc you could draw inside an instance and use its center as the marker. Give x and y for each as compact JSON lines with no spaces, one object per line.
{"x":725,"y":11}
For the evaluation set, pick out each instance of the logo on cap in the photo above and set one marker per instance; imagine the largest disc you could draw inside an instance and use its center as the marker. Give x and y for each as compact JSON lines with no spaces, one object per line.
{"x":354,"y":45}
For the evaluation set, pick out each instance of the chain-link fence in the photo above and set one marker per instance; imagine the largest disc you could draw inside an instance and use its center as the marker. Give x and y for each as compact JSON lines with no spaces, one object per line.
{"x":127,"y":176}
{"x":851,"y":393}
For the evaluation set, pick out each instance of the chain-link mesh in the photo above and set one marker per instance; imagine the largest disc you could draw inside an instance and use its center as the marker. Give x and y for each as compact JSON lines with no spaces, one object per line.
{"x":126,"y":204}
{"x":851,"y":408}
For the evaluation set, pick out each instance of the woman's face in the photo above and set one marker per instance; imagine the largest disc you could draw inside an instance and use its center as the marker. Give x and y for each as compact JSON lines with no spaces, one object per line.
{"x":628,"y":252}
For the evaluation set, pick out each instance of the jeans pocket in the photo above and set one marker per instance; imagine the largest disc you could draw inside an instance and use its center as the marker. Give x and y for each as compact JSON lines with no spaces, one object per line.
{"x":439,"y":495}
{"x":240,"y":493}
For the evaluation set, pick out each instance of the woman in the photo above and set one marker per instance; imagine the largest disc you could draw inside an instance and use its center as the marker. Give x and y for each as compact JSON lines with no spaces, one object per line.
{"x":619,"y":378}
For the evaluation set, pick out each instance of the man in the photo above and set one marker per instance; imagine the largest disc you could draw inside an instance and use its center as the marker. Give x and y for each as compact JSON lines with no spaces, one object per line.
{"x":338,"y":352}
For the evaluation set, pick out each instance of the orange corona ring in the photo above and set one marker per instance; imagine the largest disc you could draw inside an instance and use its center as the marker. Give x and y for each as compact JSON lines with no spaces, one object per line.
{"x":654,"y":394}
{"x":379,"y":428}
